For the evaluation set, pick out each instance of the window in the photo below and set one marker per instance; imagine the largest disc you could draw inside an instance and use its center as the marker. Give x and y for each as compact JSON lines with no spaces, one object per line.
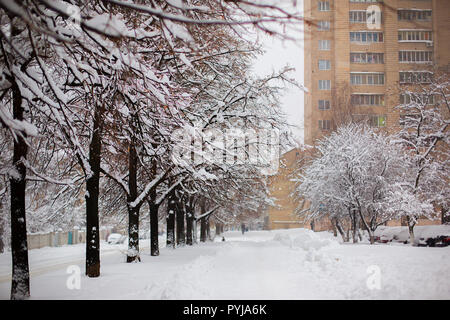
{"x":324,"y":6}
{"x":377,"y":121}
{"x":359,"y":16}
{"x":415,"y":56}
{"x":323,"y":25}
{"x":324,"y":44}
{"x":367,"y":78}
{"x":373,"y":120}
{"x":366,"y":36}
{"x":414,"y":35}
{"x":366,"y":57}
{"x":324,"y":104}
{"x":324,"y":124}
{"x":414,"y":15}
{"x":420,"y":99}
{"x":324,"y":84}
{"x":367,"y":99}
{"x":415,"y":76}
{"x":324,"y":64}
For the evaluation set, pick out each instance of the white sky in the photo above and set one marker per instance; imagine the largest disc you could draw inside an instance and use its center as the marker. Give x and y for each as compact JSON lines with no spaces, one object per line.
{"x":279,"y":54}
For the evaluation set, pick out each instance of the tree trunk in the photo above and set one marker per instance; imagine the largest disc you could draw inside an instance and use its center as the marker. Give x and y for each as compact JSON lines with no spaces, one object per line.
{"x":133,"y":235}
{"x":20,"y":285}
{"x":133,"y":212}
{"x":218,"y":228}
{"x":171,"y":209}
{"x":203,"y":232}
{"x":372,"y":238}
{"x":208,"y":228}
{"x":180,"y":213}
{"x":92,"y":194}
{"x":154,"y":208}
{"x":341,"y":231}
{"x":333,"y":225}
{"x":445,"y":216}
{"x":411,"y":225}
{"x":154,"y":244}
{"x":2,"y":230}
{"x":189,"y":222}
{"x":355,"y":228}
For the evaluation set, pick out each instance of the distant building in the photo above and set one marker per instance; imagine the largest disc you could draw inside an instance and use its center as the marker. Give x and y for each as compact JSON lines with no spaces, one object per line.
{"x":355,"y":67}
{"x":282,"y":214}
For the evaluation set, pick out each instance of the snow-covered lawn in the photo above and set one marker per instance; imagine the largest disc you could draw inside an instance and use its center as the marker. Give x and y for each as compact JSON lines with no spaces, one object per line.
{"x":283,"y":264}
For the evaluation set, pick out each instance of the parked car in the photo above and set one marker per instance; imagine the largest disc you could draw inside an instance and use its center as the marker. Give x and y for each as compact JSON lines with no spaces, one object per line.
{"x":385,"y":238}
{"x":439,"y":241}
{"x":114,"y":238}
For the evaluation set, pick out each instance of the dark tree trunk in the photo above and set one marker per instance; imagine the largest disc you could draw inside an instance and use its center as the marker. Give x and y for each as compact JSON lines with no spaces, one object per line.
{"x":354,"y":221}
{"x":92,"y":194}
{"x":208,"y":228}
{"x":180,"y":213}
{"x":20,"y":285}
{"x":313,"y":225}
{"x":154,"y":244}
{"x":341,"y":231}
{"x":154,"y":208}
{"x":133,"y":212}
{"x":218,"y":228}
{"x":333,"y":225}
{"x":190,"y":221}
{"x":2,"y":230}
{"x":171,"y":209}
{"x":445,"y":216}
{"x":203,"y":231}
{"x":189,"y":229}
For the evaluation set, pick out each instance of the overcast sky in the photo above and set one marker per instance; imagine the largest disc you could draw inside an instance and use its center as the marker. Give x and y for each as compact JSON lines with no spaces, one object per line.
{"x":279,"y":54}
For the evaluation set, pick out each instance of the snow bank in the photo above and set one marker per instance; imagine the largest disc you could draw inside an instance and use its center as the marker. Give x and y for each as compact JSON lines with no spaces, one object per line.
{"x":401,"y":233}
{"x":305,"y":239}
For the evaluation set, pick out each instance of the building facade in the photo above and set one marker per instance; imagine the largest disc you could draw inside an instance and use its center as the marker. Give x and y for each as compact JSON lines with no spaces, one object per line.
{"x":282,"y":214}
{"x":359,"y":52}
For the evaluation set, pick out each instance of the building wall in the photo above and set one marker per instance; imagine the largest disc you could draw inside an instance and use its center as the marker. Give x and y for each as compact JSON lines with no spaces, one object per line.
{"x":282,"y":214}
{"x":341,"y":67}
{"x":339,"y":55}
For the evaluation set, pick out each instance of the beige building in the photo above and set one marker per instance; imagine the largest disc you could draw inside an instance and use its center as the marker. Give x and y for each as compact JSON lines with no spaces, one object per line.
{"x":355,"y":67}
{"x":281,"y":215}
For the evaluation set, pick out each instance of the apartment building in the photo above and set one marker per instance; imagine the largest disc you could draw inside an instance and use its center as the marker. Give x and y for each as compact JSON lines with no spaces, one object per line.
{"x":358,"y":53}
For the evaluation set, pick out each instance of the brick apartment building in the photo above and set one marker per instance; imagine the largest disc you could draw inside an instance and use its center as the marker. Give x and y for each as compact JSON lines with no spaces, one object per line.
{"x":352,"y":67}
{"x":351,"y":63}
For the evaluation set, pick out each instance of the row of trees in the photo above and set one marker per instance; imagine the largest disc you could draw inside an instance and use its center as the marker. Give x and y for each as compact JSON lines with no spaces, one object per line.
{"x":91,"y":94}
{"x":362,"y":176}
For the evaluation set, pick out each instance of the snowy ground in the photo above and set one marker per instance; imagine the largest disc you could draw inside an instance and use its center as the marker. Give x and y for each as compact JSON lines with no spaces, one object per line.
{"x":284,"y":264}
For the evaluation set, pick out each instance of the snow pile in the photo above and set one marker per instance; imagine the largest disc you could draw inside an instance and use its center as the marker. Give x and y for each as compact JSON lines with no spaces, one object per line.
{"x":401,"y":233}
{"x":306,"y":239}
{"x":184,"y":284}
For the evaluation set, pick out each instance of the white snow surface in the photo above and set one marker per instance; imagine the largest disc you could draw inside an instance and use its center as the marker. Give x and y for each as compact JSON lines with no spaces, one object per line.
{"x":282,"y":264}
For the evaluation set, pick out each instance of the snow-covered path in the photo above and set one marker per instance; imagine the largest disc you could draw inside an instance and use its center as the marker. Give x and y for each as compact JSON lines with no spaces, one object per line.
{"x":284,"y":264}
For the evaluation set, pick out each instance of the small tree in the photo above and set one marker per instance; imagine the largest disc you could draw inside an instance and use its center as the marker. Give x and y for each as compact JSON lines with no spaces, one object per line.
{"x":350,"y":177}
{"x":424,"y":131}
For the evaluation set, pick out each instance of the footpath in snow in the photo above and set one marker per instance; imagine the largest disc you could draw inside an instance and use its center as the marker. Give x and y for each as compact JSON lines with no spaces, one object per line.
{"x":283,"y":264}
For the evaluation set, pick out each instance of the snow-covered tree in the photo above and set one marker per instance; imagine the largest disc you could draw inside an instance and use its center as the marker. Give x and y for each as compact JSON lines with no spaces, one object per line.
{"x":424,"y":132}
{"x":350,"y":177}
